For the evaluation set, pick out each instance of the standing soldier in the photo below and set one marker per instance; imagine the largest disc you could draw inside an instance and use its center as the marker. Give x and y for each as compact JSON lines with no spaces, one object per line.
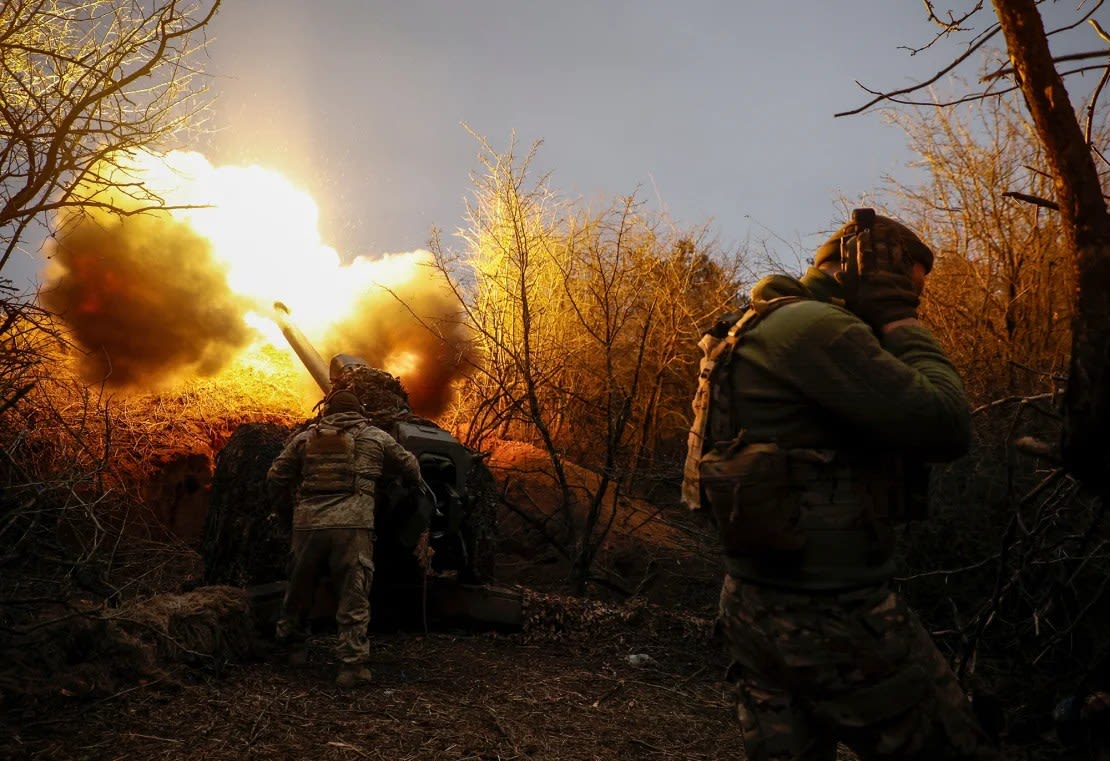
{"x":334,"y":465}
{"x":814,"y":414}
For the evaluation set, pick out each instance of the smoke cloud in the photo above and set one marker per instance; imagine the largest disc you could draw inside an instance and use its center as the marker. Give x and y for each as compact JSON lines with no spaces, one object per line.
{"x":409,"y":326}
{"x":144,"y":297}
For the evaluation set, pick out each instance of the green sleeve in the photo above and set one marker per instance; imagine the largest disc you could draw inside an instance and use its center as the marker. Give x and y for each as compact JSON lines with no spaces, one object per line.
{"x":287,"y":465}
{"x":902,"y":392}
{"x":401,"y":460}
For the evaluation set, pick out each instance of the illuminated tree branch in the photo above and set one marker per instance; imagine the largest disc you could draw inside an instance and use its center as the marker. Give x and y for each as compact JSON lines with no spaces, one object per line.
{"x":86,"y":82}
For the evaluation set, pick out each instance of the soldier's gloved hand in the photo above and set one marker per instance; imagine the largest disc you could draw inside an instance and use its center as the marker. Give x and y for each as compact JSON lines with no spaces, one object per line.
{"x":877,"y":278}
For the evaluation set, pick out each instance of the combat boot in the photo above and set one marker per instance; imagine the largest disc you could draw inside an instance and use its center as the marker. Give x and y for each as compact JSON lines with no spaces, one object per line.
{"x":293,"y":649}
{"x":352,"y":676}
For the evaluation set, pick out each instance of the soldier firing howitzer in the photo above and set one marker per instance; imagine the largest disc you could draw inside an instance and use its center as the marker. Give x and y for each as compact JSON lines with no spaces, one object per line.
{"x":455,"y":512}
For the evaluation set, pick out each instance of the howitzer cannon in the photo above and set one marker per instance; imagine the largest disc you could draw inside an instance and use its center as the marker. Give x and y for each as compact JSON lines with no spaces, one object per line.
{"x":247,"y":539}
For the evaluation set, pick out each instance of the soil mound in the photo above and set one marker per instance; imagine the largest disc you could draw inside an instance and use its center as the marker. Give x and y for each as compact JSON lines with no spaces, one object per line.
{"x":69,"y":650}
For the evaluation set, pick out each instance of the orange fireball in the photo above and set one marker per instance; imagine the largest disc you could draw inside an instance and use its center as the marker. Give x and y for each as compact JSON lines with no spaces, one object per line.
{"x":184,"y":291}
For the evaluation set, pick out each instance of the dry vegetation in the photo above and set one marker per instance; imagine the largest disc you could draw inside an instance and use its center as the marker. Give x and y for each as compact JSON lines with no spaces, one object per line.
{"x":565,"y":687}
{"x":1010,"y":575}
{"x":585,"y":323}
{"x":578,"y":695}
{"x":101,"y":660}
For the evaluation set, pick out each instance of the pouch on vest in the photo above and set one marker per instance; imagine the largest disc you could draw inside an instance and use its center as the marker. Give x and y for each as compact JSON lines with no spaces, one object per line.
{"x":748,"y":489}
{"x":329,"y":462}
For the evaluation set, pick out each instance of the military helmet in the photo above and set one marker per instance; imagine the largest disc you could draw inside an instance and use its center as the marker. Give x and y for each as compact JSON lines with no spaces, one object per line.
{"x":883,"y":227}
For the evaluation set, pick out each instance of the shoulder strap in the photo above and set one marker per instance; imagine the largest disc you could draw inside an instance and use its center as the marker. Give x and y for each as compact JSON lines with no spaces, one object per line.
{"x":754,"y":314}
{"x":720,"y":400}
{"x":716,"y":352}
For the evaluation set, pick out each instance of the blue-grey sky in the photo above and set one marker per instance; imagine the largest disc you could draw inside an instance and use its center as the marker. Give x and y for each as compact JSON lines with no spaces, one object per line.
{"x":720,"y":111}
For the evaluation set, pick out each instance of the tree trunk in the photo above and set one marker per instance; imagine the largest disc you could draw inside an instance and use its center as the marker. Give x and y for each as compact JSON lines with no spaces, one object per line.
{"x":1086,"y":446}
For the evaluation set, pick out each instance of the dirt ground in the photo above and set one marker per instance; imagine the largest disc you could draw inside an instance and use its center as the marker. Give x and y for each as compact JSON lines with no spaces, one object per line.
{"x":602,"y":677}
{"x":617,"y":683}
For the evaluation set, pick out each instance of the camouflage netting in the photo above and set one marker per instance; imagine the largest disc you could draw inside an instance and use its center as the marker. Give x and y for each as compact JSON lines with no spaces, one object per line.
{"x":242,"y":544}
{"x":209,"y":624}
{"x":480,"y":527}
{"x":96,"y":652}
{"x":382,"y":394}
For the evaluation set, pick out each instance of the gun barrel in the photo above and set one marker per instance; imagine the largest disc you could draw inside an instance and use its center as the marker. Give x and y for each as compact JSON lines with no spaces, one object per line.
{"x":308,"y":355}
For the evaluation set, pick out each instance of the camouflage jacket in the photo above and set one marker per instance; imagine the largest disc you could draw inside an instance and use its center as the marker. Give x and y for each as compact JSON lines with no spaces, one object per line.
{"x":377,"y":454}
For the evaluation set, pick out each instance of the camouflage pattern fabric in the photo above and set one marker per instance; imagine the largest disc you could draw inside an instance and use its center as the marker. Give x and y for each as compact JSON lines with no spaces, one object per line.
{"x":346,"y":557}
{"x":855,"y":666}
{"x":692,"y":496}
{"x":376,"y":453}
{"x":831,"y":250}
{"x":382,"y":395}
{"x":375,"y":388}
{"x":832,"y":654}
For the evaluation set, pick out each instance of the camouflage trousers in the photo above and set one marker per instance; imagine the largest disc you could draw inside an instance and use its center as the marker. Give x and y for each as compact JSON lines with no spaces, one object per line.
{"x":855,"y":667}
{"x":345,"y":555}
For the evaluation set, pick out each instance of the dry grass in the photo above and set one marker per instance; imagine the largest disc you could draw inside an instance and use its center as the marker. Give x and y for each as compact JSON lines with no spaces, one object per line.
{"x":80,"y":530}
{"x":76,"y":459}
{"x":664,"y":554}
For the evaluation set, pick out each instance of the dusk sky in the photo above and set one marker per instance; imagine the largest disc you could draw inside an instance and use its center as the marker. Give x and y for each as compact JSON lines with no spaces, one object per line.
{"x":717,"y":111}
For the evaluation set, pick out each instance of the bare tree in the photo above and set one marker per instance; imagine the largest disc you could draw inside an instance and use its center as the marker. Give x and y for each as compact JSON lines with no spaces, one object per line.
{"x":587,"y":323}
{"x":83,"y":82}
{"x":503,"y":280}
{"x":1030,"y":206}
{"x":1000,"y":296}
{"x":1083,"y":209}
{"x":1070,"y":155}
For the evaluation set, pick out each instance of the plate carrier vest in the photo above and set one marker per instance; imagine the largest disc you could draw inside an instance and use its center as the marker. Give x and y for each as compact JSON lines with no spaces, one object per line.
{"x":329,"y":460}
{"x":809,"y":519}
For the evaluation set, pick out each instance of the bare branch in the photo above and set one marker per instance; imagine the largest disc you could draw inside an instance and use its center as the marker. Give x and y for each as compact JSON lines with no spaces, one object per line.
{"x":1009,"y":71}
{"x":891,"y":95}
{"x":83,"y":82}
{"x":1032,"y":199}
